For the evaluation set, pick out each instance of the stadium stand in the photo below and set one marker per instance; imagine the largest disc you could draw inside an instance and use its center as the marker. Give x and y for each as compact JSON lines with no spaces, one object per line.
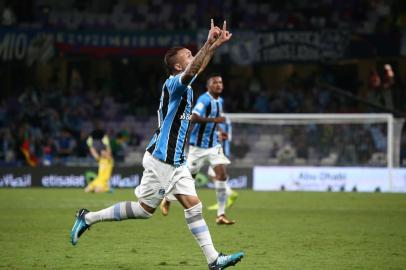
{"x":361,"y":16}
{"x":52,"y":122}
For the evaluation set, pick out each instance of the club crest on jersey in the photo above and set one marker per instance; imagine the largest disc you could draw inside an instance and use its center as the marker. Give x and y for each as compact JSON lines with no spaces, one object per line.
{"x":185,"y":116}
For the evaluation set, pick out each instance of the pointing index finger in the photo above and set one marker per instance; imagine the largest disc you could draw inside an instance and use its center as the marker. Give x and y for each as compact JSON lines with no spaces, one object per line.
{"x":224,"y":25}
{"x":211,"y":24}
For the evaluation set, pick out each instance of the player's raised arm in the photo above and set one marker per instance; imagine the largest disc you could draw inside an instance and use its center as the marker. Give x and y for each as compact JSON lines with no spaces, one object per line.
{"x":106,"y":142}
{"x":205,"y":53}
{"x":224,"y":37}
{"x":92,"y":150}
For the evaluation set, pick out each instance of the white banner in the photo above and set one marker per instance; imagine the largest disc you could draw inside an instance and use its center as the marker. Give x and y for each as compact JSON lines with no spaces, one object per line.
{"x":329,"y":179}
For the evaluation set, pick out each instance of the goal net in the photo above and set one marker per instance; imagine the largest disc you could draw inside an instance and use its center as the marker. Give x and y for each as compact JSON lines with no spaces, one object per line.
{"x":343,"y":140}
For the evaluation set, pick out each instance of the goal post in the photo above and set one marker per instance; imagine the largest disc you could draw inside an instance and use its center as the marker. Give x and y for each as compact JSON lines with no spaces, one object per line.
{"x":374,"y":138}
{"x":394,"y":126}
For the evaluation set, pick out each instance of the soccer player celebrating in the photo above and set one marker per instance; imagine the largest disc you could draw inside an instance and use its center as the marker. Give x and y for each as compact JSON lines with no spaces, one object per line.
{"x":164,"y":162}
{"x":205,"y":144}
{"x":106,"y":162}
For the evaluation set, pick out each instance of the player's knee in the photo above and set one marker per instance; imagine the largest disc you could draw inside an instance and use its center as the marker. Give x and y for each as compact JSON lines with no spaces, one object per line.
{"x":146,"y":211}
{"x":187,"y":201}
{"x":195,"y":209}
{"x":221,"y":177}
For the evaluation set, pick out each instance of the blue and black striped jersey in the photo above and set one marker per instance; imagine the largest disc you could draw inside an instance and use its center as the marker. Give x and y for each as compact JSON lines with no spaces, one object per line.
{"x":226,"y":127}
{"x":205,"y":135}
{"x":168,"y":142}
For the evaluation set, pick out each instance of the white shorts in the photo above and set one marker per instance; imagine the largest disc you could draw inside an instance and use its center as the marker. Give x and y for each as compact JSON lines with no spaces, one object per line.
{"x":210,"y":172}
{"x":199,"y":156}
{"x":160,"y":178}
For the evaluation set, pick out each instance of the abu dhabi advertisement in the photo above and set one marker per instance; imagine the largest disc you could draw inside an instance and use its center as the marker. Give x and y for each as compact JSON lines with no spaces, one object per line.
{"x":363,"y":179}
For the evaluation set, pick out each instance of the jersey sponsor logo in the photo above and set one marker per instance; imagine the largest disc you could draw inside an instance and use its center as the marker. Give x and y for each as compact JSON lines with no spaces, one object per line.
{"x":185,"y":116}
{"x":199,"y":106}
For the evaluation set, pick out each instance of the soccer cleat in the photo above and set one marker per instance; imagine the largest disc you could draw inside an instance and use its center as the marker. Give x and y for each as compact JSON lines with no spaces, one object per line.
{"x":230,"y":201}
{"x":223,"y":261}
{"x":223,"y":220}
{"x":79,"y":227}
{"x":164,"y":206}
{"x":213,"y":207}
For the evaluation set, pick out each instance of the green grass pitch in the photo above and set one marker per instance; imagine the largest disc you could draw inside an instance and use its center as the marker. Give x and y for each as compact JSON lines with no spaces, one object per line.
{"x":277,"y":230}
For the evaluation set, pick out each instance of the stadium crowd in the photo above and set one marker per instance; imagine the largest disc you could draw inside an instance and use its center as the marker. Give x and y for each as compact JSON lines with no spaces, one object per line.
{"x":358,"y":15}
{"x":49,"y":125}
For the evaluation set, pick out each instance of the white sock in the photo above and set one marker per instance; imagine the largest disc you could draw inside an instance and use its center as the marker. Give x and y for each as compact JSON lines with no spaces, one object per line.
{"x":117,"y":212}
{"x":221,"y":194}
{"x":198,"y":227}
{"x":228,"y":189}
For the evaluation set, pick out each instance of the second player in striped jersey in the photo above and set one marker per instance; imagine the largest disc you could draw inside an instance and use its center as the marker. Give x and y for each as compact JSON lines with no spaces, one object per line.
{"x":205,"y":144}
{"x":225,"y":137}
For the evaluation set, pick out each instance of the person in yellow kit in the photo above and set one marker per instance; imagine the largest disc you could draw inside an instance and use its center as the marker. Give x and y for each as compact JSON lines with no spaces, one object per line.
{"x":106,"y":163}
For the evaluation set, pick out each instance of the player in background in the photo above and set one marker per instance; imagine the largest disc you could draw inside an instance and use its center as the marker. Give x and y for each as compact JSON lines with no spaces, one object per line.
{"x":106,"y":163}
{"x":224,"y":128}
{"x":164,"y":162}
{"x":205,"y":146}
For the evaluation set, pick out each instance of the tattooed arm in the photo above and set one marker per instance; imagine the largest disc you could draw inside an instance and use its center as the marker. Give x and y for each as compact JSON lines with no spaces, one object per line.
{"x":215,"y":39}
{"x":224,"y":37}
{"x":193,"y":68}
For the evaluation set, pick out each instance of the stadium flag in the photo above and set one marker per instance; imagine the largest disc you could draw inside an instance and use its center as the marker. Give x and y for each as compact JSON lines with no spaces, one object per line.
{"x":29,"y":157}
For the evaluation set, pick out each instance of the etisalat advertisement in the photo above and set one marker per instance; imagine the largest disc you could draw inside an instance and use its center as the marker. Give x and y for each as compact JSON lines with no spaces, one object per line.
{"x":65,"y":177}
{"x":362,"y":179}
{"x":122,"y":177}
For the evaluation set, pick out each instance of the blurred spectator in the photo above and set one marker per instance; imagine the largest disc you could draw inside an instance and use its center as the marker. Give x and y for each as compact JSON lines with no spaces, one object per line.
{"x":65,"y":144}
{"x":374,"y":80}
{"x":8,"y":16}
{"x":239,"y":148}
{"x":286,"y":155}
{"x":8,"y":146}
{"x":387,"y":85}
{"x":274,"y":150}
{"x":49,"y":152}
{"x":261,"y":104}
{"x":119,"y":145}
{"x":82,"y":148}
{"x":374,"y":85}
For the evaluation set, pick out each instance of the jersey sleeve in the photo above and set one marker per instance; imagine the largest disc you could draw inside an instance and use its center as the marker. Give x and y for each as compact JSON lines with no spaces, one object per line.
{"x":201,"y":105}
{"x":175,"y":86}
{"x":221,"y":106}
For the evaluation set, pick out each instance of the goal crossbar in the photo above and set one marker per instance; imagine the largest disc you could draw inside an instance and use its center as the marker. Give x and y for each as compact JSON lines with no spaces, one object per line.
{"x":331,"y":118}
